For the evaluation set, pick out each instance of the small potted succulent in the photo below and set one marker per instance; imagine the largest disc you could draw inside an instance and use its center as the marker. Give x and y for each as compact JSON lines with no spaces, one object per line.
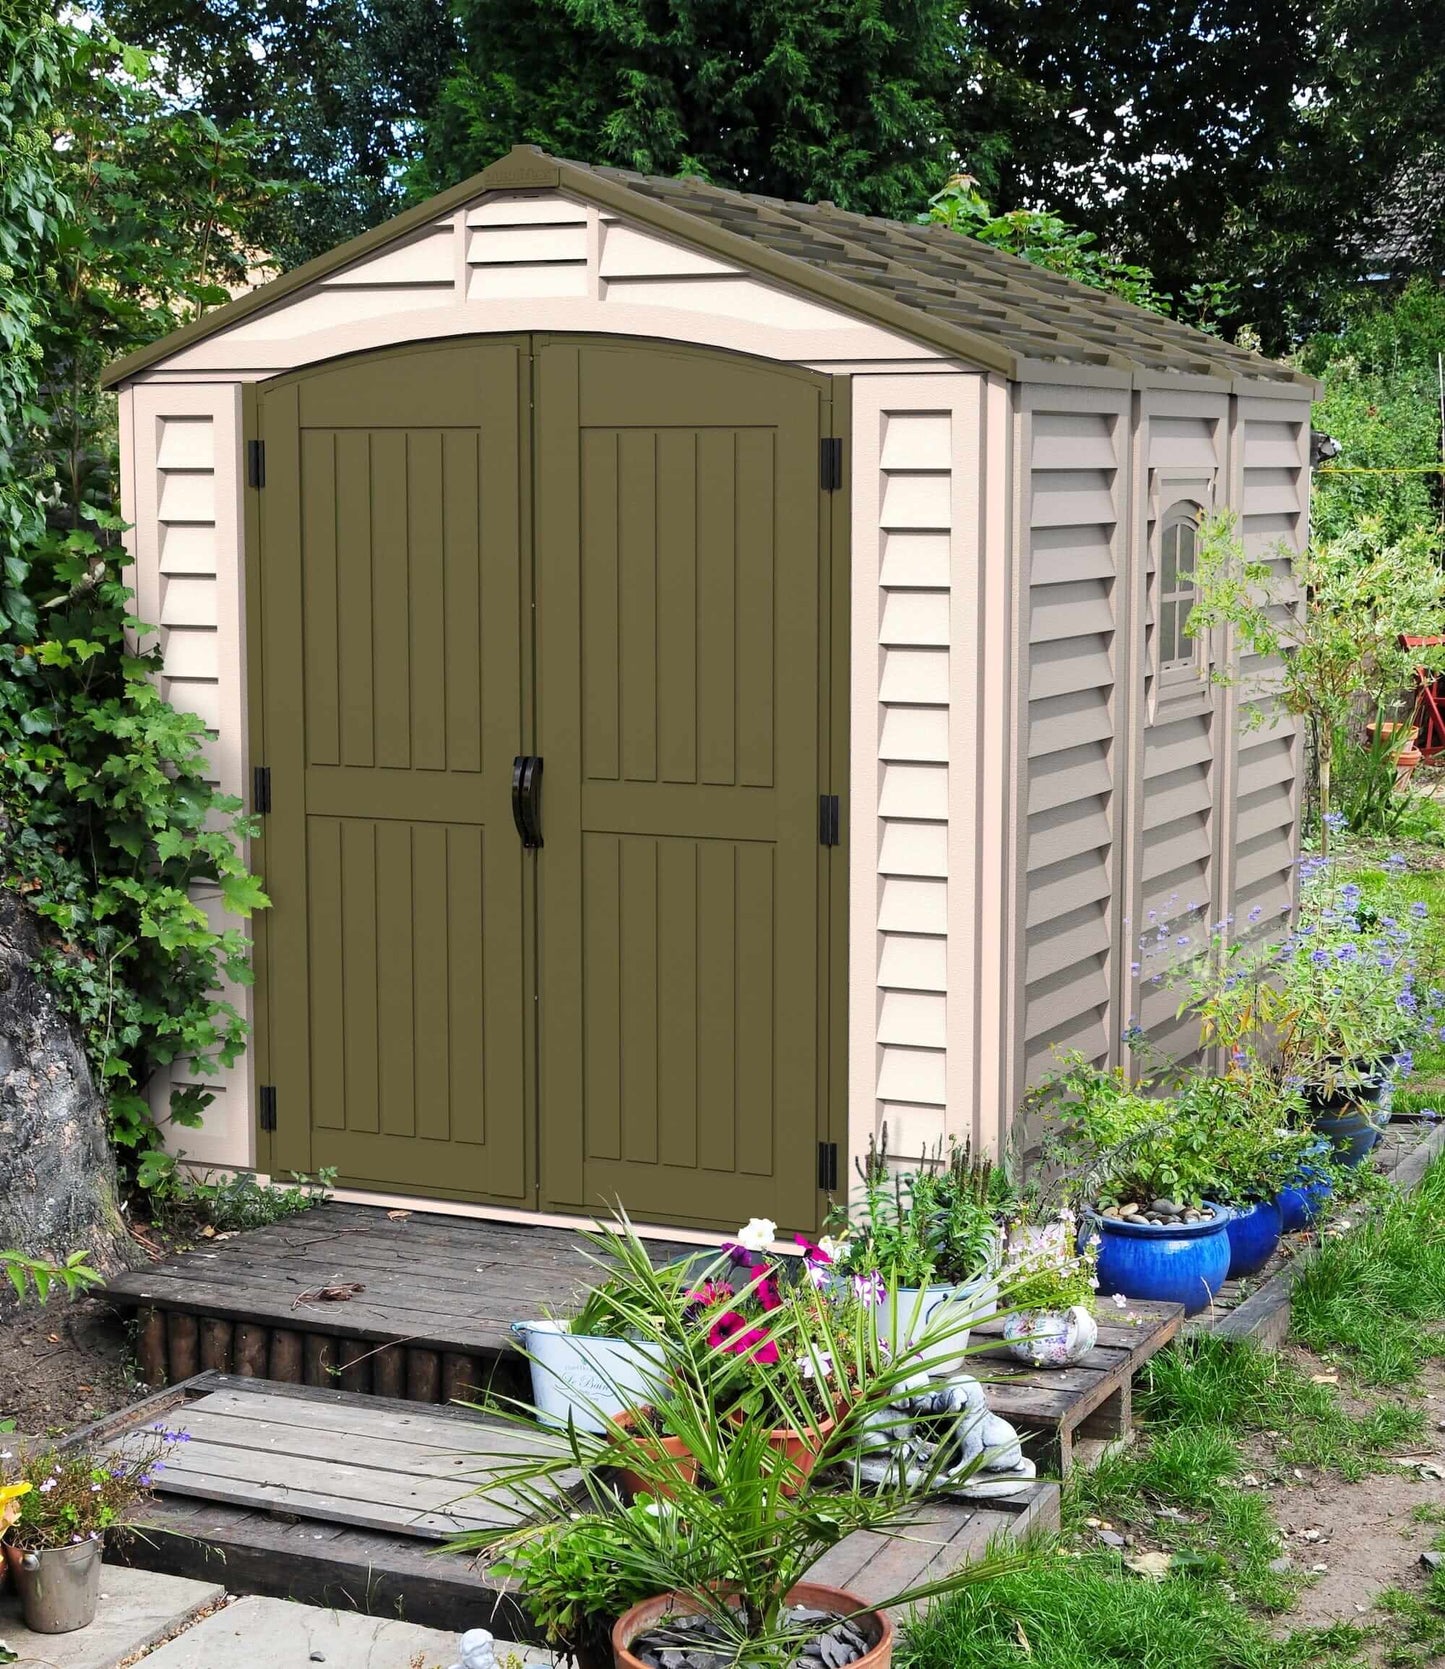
{"x":921,"y":1246}
{"x":1051,"y":1276}
{"x":56,"y":1506}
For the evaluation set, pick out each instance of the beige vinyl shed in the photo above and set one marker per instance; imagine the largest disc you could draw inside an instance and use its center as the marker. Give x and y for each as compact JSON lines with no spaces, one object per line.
{"x":830,"y":567}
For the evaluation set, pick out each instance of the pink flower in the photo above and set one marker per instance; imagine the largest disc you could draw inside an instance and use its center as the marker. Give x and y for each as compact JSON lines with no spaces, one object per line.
{"x":731,"y":1332}
{"x":811,"y":1250}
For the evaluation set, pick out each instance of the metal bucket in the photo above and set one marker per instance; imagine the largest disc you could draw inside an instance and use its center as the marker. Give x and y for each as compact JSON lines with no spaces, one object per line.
{"x":59,"y":1588}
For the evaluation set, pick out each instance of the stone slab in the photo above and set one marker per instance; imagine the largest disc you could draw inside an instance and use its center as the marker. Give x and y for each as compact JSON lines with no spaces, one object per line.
{"x":137,"y":1608}
{"x":280,"y":1634}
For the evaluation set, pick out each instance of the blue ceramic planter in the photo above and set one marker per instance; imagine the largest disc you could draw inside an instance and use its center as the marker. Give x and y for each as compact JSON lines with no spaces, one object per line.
{"x":1172,"y":1263}
{"x":1303,"y":1200}
{"x":1349,"y":1117}
{"x":1253,"y":1233}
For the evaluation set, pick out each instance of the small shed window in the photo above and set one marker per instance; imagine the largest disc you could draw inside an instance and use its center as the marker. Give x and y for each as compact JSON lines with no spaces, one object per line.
{"x":1177,"y":594}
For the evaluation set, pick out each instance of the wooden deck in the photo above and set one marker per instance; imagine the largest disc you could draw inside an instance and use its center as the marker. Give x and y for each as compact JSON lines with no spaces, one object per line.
{"x":340,"y":1500}
{"x":431,"y":1321}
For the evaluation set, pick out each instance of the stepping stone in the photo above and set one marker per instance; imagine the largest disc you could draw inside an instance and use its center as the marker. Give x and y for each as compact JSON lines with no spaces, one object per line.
{"x":137,"y":1608}
{"x":284,"y":1635}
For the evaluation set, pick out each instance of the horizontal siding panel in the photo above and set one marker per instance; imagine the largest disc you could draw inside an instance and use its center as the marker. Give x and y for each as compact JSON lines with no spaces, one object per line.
{"x":916,"y":499}
{"x":1064,"y":886}
{"x":1271,"y":809}
{"x":1070,"y":664}
{"x":1261,"y":534}
{"x":526,"y":245}
{"x":501,"y":283}
{"x":916,"y":675}
{"x":912,"y":1075}
{"x":917,"y":440}
{"x":1272,"y":445}
{"x":913,"y":849}
{"x":1176,"y":845}
{"x":913,"y":906}
{"x":1077,"y":826}
{"x":527,"y":211}
{"x":1265,"y":765}
{"x":1170,"y":795}
{"x":913,"y":962}
{"x":1074,"y":938}
{"x":1182,"y":442}
{"x":1186,"y":892}
{"x":188,"y":602}
{"x":1172,"y":747}
{"x":915,"y":617}
{"x":916,"y":1018}
{"x":1076,"y":774}
{"x":188,"y":548}
{"x":915,"y":559}
{"x":914,"y":791}
{"x":1073,"y":440}
{"x":1056,"y":1005}
{"x":1060,"y":554}
{"x":187,"y":496}
{"x":913,"y":1132}
{"x":1074,"y":610}
{"x":1089,"y":1034}
{"x":914,"y":733}
{"x":191,"y":653}
{"x":1065,"y":721}
{"x":1066,"y":497}
{"x":186,"y":443}
{"x":629,"y":253}
{"x":196,"y":696}
{"x":426,"y":260}
{"x":1269,"y":491}
{"x":1272,"y":895}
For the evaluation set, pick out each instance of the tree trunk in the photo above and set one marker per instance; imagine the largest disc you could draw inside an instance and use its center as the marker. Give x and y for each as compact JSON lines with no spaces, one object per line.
{"x":57,"y":1171}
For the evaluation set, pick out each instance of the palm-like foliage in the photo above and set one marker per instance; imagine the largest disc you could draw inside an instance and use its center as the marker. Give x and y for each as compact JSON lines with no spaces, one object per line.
{"x":739,"y":1536}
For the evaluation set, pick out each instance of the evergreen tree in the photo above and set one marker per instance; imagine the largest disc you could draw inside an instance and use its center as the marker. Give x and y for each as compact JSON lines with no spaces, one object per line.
{"x":803,"y":99}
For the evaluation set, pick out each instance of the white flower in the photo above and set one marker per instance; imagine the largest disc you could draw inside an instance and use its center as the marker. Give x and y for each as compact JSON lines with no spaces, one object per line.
{"x":836,"y":1248}
{"x":757,"y":1234}
{"x":1120,"y":1300}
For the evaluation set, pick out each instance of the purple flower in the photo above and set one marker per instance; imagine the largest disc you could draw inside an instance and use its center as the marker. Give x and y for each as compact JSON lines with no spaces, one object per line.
{"x":1419,"y":909}
{"x":868,"y":1289}
{"x":1256,"y":912}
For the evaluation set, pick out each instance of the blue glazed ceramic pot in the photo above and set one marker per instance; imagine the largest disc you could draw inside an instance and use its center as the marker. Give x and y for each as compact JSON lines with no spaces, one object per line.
{"x":1172,"y":1263}
{"x":1253,"y":1232}
{"x":1348,"y":1116}
{"x":1303,"y":1200}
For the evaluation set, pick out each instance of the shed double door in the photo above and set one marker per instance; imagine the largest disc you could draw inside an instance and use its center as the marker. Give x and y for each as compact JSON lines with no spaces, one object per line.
{"x":608,"y":556}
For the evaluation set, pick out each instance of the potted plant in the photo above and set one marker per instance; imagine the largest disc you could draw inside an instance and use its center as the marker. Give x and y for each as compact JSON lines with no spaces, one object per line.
{"x":1259,"y":1155}
{"x":1143,"y":1167}
{"x":931,"y":1237}
{"x":56,"y":1506}
{"x":593,"y":1365}
{"x":1051,"y":1277}
{"x":1307,"y":1190}
{"x":726,"y":1552}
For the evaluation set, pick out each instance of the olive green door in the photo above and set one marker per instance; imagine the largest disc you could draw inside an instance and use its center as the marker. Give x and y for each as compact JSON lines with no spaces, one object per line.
{"x":611,"y":556}
{"x":391,"y":598}
{"x":678,"y":715}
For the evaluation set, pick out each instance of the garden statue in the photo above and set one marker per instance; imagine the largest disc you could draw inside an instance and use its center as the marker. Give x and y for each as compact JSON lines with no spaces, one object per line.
{"x":479,"y":1650}
{"x":946,"y":1432}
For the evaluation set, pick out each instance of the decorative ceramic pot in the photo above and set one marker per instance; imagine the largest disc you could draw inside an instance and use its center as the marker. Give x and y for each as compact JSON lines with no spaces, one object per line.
{"x":586,"y":1376}
{"x":59,"y":1588}
{"x":1173,"y":1263}
{"x":1347,"y":1113}
{"x":1051,"y":1338}
{"x":1304,"y":1198}
{"x":1254,"y":1232}
{"x":876,"y":1625}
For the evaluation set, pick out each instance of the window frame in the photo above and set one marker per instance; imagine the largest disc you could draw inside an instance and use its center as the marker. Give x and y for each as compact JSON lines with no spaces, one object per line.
{"x":1177,"y":688}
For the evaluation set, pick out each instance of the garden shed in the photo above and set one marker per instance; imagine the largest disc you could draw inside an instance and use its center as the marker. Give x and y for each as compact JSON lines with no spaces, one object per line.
{"x":711,"y":673}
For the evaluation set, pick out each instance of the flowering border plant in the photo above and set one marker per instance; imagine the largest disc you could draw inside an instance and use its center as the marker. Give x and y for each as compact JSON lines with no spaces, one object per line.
{"x":61,"y":1497}
{"x":1046,"y":1271}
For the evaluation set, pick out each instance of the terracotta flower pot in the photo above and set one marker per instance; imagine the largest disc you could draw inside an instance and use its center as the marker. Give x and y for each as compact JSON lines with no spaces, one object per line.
{"x":802,"y":1448}
{"x":875,"y":1624}
{"x":669,"y":1452}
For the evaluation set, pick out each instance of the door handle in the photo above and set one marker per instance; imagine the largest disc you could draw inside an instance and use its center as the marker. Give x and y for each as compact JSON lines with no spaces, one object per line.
{"x":527,"y":799}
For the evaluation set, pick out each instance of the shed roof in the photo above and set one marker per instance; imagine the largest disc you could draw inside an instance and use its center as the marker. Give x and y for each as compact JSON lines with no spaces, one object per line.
{"x":953,"y":293}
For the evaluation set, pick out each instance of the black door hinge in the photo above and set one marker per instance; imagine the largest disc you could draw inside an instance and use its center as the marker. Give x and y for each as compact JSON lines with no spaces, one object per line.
{"x":255,"y":463}
{"x":827,"y":1166}
{"x":830,"y":463}
{"x":261,"y":790}
{"x":266,"y":1100}
{"x":829,"y":819}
